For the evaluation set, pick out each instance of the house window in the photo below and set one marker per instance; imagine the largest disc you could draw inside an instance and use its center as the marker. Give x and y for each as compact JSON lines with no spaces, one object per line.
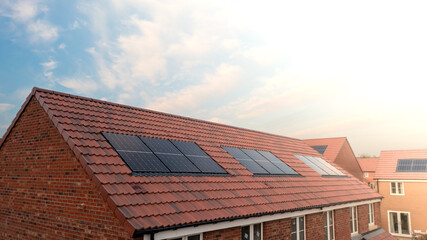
{"x":191,"y":237}
{"x":372,"y":185}
{"x":371,"y":213}
{"x":399,"y":222}
{"x":353,"y":219}
{"x":298,"y":228}
{"x":252,"y":232}
{"x":396,"y":188}
{"x":366,"y":174}
{"x":329,"y":225}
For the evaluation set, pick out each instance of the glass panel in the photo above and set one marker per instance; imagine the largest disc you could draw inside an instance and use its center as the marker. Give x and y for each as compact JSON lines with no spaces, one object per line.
{"x":394,"y":227}
{"x":294,"y":229}
{"x":245,"y":233}
{"x":257,"y":231}
{"x":301,"y":228}
{"x":399,"y":188}
{"x":404,"y":223}
{"x":355,"y":218}
{"x":194,"y":237}
{"x":351,"y":220}
{"x":393,"y":187}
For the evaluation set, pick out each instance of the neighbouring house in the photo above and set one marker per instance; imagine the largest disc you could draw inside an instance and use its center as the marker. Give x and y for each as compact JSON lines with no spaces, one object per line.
{"x":402,"y":180}
{"x":368,"y":166}
{"x":78,"y":168}
{"x":337,"y":150}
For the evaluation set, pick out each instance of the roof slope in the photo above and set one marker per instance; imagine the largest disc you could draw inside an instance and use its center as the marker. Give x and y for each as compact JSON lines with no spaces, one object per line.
{"x":368,"y":164}
{"x":334,"y":146}
{"x":144,"y":203}
{"x":387,"y":164}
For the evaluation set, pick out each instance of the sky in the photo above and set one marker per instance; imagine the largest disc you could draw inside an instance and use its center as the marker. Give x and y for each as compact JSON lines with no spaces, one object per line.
{"x":302,"y":69}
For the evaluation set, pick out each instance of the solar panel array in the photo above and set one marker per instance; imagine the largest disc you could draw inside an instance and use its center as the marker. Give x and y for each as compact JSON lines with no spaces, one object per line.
{"x":260,"y":162}
{"x":320,"y":149}
{"x":411,"y":165}
{"x":153,"y":155}
{"x":320,"y":165}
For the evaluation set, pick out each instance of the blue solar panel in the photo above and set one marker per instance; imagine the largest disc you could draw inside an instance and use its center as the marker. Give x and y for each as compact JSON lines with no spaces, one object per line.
{"x":236,"y":153}
{"x":279,"y":163}
{"x":143,"y":162}
{"x":160,"y":145}
{"x":252,"y":166}
{"x":126,"y":142}
{"x":411,"y":165}
{"x":189,"y":148}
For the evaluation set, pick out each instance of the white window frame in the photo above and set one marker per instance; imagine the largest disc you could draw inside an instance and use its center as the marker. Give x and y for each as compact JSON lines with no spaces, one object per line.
{"x":353,"y":220}
{"x":399,"y":189}
{"x":399,"y":223}
{"x":371,"y":214}
{"x":366,"y":174}
{"x":298,"y":230}
{"x":372,"y":185}
{"x":186,"y":237}
{"x":328,"y":226}
{"x":251,"y":231}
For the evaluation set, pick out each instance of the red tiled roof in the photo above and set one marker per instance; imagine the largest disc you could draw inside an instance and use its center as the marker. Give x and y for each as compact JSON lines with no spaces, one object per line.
{"x":368,"y":164}
{"x":334,"y":146}
{"x":387,"y":163}
{"x":156,"y":202}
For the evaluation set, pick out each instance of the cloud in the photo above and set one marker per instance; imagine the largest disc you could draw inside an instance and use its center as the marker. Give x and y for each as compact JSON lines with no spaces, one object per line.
{"x":20,"y":11}
{"x":80,"y":85}
{"x":62,"y":46}
{"x":212,"y":87}
{"x":5,"y":107}
{"x":43,"y":31}
{"x":48,"y":67}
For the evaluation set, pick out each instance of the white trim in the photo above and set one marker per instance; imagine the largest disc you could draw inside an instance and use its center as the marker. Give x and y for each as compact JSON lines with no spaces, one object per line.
{"x":400,"y":180}
{"x":355,"y":222}
{"x":366,"y":174}
{"x":248,"y":221}
{"x":373,"y":214}
{"x":400,"y":226}
{"x":297,"y":227}
{"x":328,"y":224}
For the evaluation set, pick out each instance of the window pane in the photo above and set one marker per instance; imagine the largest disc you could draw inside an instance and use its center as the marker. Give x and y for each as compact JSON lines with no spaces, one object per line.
{"x":331,"y":233}
{"x":257,"y":231}
{"x":194,"y":237}
{"x":351,"y":219}
{"x":245,"y":233}
{"x":399,"y":188}
{"x":301,"y":228}
{"x":301,"y":235}
{"x":393,"y":187}
{"x":394,"y":228}
{"x":294,"y":229}
{"x":404,"y":223}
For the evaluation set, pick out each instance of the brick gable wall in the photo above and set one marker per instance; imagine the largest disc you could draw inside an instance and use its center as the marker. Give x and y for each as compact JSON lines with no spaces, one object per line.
{"x":44,"y":191}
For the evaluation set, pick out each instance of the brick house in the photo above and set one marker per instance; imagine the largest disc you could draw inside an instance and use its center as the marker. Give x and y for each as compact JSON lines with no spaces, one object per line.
{"x":338,"y":151}
{"x":78,"y":168}
{"x":402,"y":180}
{"x":368,"y":166}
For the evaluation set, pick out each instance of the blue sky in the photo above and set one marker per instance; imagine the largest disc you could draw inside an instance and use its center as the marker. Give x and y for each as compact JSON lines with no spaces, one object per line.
{"x":304,"y":69}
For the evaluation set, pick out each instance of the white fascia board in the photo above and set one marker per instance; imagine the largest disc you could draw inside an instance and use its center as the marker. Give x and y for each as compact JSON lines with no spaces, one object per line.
{"x":400,"y":180}
{"x":168,"y":234}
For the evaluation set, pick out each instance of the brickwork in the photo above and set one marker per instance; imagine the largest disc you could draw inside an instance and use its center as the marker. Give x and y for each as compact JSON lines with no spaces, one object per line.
{"x":224,"y":234}
{"x":44,"y":191}
{"x":377,"y":213}
{"x":342,"y":223}
{"x":362,"y":218}
{"x":278,"y":230}
{"x":314,"y":226}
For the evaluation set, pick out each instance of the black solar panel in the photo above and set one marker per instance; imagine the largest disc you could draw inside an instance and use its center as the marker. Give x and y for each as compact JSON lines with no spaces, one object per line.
{"x":143,"y":162}
{"x":126,"y":142}
{"x":266,"y":164}
{"x":206,"y":164}
{"x":143,"y":154}
{"x":411,"y":165}
{"x":279,"y":163}
{"x":189,"y":148}
{"x":160,"y":145}
{"x":321,"y":148}
{"x":178,"y":163}
{"x":245,"y":160}
{"x":236,"y":153}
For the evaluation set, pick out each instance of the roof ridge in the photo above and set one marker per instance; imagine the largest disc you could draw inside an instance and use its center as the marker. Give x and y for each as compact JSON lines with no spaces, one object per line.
{"x":324,"y":138}
{"x":37,"y":89}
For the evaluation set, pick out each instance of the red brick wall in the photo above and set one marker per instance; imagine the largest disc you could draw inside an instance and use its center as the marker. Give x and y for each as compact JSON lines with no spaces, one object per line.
{"x":224,"y":234}
{"x":342,"y":223}
{"x":314,"y":226}
{"x":377,"y":214}
{"x":362,"y":218}
{"x":44,"y":192}
{"x":277,"y":230}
